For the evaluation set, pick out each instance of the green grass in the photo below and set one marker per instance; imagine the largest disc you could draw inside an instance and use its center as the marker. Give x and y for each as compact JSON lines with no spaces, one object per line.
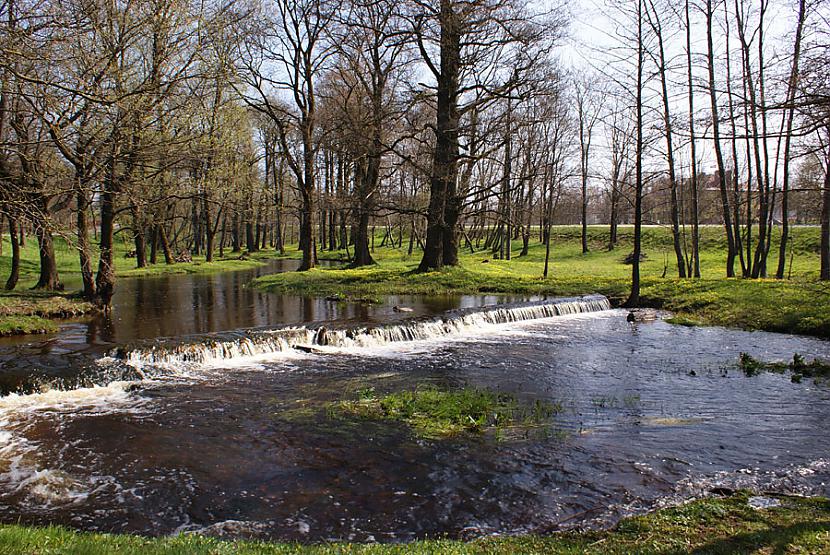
{"x":435,"y":413}
{"x":198,"y":266}
{"x":30,"y":312}
{"x":66,"y":257}
{"x":797,"y":305}
{"x":20,"y":325}
{"x":707,"y":526}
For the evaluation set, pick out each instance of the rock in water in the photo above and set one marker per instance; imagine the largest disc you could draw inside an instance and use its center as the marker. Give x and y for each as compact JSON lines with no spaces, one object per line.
{"x":643,"y":315}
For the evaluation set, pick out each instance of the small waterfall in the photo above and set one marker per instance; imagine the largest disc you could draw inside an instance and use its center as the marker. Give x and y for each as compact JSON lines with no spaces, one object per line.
{"x":237,"y":345}
{"x":293,"y":339}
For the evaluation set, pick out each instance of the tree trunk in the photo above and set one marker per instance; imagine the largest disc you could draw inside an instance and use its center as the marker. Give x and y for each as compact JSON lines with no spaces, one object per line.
{"x":14,"y":274}
{"x":46,"y":249}
{"x":695,"y":269}
{"x":105,"y":280}
{"x":165,"y":245}
{"x":614,"y":216}
{"x":237,"y":243}
{"x":785,"y":192}
{"x":87,"y":276}
{"x":308,"y":238}
{"x":250,"y":243}
{"x":634,"y":297}
{"x":825,"y":220}
{"x":140,"y":241}
{"x":362,"y":255}
{"x":727,"y":216}
{"x":445,"y":155}
{"x":154,"y":244}
{"x":674,"y":209}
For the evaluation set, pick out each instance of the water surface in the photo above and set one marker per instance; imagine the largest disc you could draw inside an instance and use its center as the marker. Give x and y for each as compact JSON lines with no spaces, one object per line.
{"x":245,"y":447}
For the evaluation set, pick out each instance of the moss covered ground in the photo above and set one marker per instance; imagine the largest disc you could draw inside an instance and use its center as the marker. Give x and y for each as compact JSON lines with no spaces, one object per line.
{"x":437,"y":413}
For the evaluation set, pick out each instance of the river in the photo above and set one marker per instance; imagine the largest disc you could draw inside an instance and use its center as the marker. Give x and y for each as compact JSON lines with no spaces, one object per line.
{"x":200,"y":405}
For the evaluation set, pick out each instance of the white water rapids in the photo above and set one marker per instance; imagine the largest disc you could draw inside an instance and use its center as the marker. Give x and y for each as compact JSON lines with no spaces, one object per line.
{"x":252,"y":344}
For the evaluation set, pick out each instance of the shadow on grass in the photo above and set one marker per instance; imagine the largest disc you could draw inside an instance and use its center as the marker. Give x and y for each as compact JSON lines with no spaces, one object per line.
{"x":775,"y":540}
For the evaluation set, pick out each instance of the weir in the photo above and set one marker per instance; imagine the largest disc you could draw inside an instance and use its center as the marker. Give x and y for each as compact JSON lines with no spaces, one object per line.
{"x":263,"y":342}
{"x":173,"y":358}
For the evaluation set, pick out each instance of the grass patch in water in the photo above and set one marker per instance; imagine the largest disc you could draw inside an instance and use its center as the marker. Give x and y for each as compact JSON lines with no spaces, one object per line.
{"x":29,"y":311}
{"x":18,"y":325}
{"x":198,"y":266}
{"x":798,"y":366}
{"x":436,"y":413}
{"x":707,"y":526}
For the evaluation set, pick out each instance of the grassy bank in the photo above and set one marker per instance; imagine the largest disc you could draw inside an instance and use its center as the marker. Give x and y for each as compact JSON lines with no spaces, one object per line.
{"x":34,"y":311}
{"x":717,"y":525}
{"x":797,"y":305}
{"x":197,"y":266}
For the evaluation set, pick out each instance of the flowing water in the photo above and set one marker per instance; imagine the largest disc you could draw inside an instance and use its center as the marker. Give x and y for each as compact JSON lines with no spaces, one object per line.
{"x":222,"y":429}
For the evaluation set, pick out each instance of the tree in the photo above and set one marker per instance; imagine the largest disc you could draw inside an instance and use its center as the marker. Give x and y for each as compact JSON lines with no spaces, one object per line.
{"x":634,"y":297}
{"x":485,"y":49}
{"x":287,"y":53}
{"x":373,"y":54}
{"x":716,"y":139}
{"x":589,"y":99}
{"x":790,"y":108}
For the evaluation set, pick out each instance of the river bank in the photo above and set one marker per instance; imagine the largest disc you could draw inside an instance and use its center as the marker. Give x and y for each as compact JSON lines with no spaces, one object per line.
{"x":712,"y":525}
{"x":800,"y":304}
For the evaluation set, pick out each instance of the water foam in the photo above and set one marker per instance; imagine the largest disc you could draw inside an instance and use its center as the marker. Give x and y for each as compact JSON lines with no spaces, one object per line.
{"x":22,"y":473}
{"x":291,"y":340}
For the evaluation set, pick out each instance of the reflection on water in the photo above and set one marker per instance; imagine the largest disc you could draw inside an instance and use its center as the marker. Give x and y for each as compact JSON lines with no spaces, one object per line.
{"x":179,"y":305}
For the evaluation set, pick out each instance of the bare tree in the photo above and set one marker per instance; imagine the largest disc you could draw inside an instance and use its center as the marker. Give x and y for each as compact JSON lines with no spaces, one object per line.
{"x":286,"y":54}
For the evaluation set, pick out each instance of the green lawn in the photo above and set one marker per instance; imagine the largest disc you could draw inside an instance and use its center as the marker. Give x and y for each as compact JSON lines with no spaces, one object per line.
{"x":69,"y":266}
{"x":797,"y":305}
{"x":708,"y":526}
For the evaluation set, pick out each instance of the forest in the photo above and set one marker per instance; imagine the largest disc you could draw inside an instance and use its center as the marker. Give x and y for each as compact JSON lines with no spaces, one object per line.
{"x":207,"y":128}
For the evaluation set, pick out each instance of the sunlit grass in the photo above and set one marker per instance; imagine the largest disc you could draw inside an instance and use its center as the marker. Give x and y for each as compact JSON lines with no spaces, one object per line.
{"x":797,"y":305}
{"x":437,"y":413}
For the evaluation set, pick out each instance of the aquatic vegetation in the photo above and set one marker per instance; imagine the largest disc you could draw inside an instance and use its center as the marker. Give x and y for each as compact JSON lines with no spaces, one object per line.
{"x":604,"y":402}
{"x":631,"y":401}
{"x":436,"y":413}
{"x":799,"y":367}
{"x":30,"y":311}
{"x":18,"y":325}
